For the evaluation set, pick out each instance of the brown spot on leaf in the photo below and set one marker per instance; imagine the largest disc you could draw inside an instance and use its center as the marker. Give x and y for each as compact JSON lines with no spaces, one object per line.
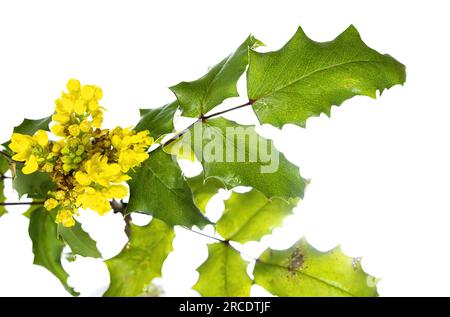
{"x":355,"y":263}
{"x":296,"y":261}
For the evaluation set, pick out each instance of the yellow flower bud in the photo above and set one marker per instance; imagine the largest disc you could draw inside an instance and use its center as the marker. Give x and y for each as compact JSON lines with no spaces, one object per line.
{"x":97,"y":119}
{"x":61,"y":117}
{"x":93,"y":105}
{"x":65,"y":218}
{"x":98,"y":93}
{"x":58,"y":130}
{"x":80,"y":107}
{"x":74,"y":130}
{"x":48,"y":167}
{"x":87,"y":92}
{"x":41,"y":137}
{"x":73,"y":85}
{"x":51,"y":204}
{"x":85,"y":126}
{"x":60,"y":195}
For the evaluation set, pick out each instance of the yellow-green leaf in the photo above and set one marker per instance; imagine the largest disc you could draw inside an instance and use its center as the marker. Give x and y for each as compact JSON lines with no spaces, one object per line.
{"x":141,"y":260}
{"x":224,"y":273}
{"x":249,"y":216}
{"x":304,"y":271}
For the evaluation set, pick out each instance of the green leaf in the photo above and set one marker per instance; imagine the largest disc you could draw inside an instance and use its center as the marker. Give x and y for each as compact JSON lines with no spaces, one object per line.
{"x":304,"y":271}
{"x":29,"y":126}
{"x":159,"y":189}
{"x":4,"y":166}
{"x":79,"y":241}
{"x":249,"y":216}
{"x":158,"y":121}
{"x":224,"y":273}
{"x":47,"y":248}
{"x":306,"y":78}
{"x":32,"y":208}
{"x":199,"y":96}
{"x":141,"y":260}
{"x":203,"y":189}
{"x":231,"y":153}
{"x":35,"y":185}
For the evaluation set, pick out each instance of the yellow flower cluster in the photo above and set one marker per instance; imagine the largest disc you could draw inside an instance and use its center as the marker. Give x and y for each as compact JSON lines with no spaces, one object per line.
{"x":88,"y":164}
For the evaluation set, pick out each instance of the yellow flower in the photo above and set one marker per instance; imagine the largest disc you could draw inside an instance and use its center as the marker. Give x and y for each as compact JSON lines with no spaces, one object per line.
{"x":24,"y":147}
{"x":99,"y":171}
{"x":80,"y":107}
{"x":61,"y":118}
{"x":97,"y":119}
{"x":130,"y":158}
{"x":65,"y":217}
{"x":117,"y":191}
{"x":41,"y":137}
{"x":73,"y":85}
{"x":58,"y":130}
{"x":131,"y":147}
{"x":74,"y":130}
{"x":60,"y":195}
{"x":85,"y":126}
{"x":51,"y":204}
{"x":88,"y":164}
{"x":87,"y":92}
{"x":31,"y":165}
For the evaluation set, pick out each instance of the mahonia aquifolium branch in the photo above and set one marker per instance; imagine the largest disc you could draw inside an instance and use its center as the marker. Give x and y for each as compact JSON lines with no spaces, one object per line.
{"x":88,"y":164}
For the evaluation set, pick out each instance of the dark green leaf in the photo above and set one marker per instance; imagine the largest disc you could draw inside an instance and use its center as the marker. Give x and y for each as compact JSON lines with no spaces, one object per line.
{"x":79,"y":241}
{"x":159,"y":188}
{"x":306,"y":78}
{"x":304,"y":271}
{"x":199,"y":96}
{"x":158,"y":121}
{"x":47,"y":248}
{"x":249,"y":216}
{"x":141,"y":260}
{"x":224,"y":273}
{"x":35,"y":185}
{"x":29,"y":126}
{"x":231,"y":152}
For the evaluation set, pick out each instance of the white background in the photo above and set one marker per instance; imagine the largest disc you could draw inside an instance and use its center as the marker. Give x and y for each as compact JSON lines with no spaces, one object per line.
{"x":379,"y":168}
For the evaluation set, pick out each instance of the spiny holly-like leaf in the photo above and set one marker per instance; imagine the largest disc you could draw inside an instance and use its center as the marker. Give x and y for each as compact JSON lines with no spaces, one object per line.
{"x":199,"y":96}
{"x":158,"y":121}
{"x":232,"y":153}
{"x":47,"y":248}
{"x":304,"y":271}
{"x":224,"y":273}
{"x":30,"y":126}
{"x":141,"y":260}
{"x":4,"y":166}
{"x":38,"y":184}
{"x":35,"y":185}
{"x":79,"y":241}
{"x":159,"y":188}
{"x":306,"y":78}
{"x":249,"y":216}
{"x":203,"y":189}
